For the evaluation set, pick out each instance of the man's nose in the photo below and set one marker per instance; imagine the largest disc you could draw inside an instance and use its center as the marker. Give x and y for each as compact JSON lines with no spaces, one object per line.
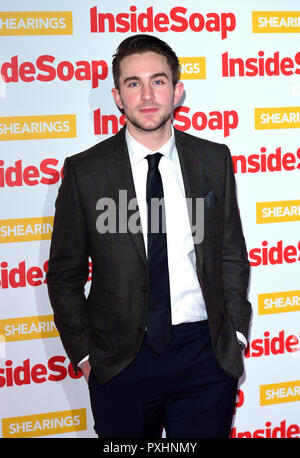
{"x":147,"y":92}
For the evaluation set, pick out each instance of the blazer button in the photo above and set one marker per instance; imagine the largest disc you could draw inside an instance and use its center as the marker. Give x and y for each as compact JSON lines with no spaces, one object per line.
{"x":144,"y":288}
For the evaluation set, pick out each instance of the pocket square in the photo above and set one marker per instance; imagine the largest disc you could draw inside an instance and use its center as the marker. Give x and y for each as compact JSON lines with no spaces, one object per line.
{"x":210,"y":200}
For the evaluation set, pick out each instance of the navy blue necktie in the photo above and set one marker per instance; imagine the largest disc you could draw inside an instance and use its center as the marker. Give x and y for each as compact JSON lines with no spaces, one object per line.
{"x":159,"y":309}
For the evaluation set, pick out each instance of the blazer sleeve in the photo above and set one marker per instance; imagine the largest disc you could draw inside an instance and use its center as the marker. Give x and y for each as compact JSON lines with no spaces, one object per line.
{"x":235,"y":264}
{"x":68,"y":268}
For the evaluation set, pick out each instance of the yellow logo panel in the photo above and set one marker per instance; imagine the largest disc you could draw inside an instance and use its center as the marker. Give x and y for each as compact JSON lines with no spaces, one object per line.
{"x":26,"y":229}
{"x":285,"y":301}
{"x":192,"y":68}
{"x":27,"y":328}
{"x":276,"y":21}
{"x":277,"y":393}
{"x":36,"y":23}
{"x":37,"y":127}
{"x":44,"y":424}
{"x":277,"y":118}
{"x":277,"y":211}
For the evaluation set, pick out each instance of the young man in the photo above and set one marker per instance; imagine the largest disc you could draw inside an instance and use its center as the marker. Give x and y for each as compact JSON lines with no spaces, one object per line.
{"x":159,"y":336}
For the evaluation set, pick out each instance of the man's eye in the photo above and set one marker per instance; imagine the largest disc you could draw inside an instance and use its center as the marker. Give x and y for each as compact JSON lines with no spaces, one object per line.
{"x":158,"y":82}
{"x":134,"y":84}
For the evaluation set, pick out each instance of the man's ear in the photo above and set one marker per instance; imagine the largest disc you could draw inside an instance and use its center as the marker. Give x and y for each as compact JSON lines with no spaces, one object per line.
{"x":178,"y":91}
{"x":116,"y":95}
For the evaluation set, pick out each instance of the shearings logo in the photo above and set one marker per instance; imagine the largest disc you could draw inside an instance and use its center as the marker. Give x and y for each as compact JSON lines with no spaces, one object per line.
{"x":44,"y":424}
{"x":277,"y":393}
{"x":36,"y":23}
{"x":28,"y":328}
{"x":277,"y":211}
{"x":192,"y":68}
{"x":276,"y":21}
{"x":26,"y":229}
{"x":38,"y":127}
{"x":277,"y":118}
{"x":279,"y":302}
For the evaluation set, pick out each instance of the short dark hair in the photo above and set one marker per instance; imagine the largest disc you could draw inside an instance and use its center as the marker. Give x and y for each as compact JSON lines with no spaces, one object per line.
{"x":139,"y":44}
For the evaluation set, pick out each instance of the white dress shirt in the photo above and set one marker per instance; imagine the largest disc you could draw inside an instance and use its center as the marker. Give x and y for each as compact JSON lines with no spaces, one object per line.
{"x":187,"y":302}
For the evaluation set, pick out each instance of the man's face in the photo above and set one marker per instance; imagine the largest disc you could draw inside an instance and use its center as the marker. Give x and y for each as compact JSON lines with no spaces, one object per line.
{"x":146,"y":92}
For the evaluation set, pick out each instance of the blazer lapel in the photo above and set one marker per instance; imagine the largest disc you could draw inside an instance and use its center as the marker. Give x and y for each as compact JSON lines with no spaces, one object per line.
{"x":193,"y":169}
{"x":195,"y":181}
{"x":120,"y":174}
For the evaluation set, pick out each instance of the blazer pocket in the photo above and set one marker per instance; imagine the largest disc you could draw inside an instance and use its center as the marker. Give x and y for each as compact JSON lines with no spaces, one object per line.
{"x":215,"y":210}
{"x":210,"y":200}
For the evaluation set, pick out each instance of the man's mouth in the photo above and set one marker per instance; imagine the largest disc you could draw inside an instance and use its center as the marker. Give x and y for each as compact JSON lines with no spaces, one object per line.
{"x":148,"y":110}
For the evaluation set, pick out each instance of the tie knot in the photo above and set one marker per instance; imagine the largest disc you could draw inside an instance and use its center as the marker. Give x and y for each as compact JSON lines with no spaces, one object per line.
{"x":153,"y":160}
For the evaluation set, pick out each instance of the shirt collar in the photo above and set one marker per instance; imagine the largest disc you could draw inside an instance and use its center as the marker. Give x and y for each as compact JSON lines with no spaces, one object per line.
{"x":137,"y":151}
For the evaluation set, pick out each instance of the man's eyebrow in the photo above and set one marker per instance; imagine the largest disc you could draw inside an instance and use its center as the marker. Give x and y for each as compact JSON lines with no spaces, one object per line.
{"x":130,"y":78}
{"x":155,"y":75}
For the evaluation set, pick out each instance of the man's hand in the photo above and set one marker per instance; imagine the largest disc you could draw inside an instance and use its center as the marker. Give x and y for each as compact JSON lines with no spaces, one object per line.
{"x":86,"y":369}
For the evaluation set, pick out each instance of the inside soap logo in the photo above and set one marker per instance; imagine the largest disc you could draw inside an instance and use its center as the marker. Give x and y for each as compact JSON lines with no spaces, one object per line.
{"x":178,"y":19}
{"x":36,"y":23}
{"x":56,"y":369}
{"x":275,"y":160}
{"x":22,"y":172}
{"x":46,"y":68}
{"x":278,"y":344}
{"x":192,"y":68}
{"x":282,"y":430}
{"x":260,"y":65}
{"x":277,"y":253}
{"x":22,"y":275}
{"x":184,"y":120}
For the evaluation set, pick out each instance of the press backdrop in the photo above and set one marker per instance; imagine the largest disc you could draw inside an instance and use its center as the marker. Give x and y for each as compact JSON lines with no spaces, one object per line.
{"x":240,"y":63}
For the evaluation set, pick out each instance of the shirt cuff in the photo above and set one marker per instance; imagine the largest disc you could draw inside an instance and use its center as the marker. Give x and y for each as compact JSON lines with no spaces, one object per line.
{"x":82,"y":361}
{"x":241,"y":338}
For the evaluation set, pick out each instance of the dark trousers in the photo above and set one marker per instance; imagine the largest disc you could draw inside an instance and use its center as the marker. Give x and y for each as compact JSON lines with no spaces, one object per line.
{"x":183,"y":390}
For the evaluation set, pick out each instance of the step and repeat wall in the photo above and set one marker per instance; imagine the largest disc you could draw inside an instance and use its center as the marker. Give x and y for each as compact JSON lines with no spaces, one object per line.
{"x":240,"y":63}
